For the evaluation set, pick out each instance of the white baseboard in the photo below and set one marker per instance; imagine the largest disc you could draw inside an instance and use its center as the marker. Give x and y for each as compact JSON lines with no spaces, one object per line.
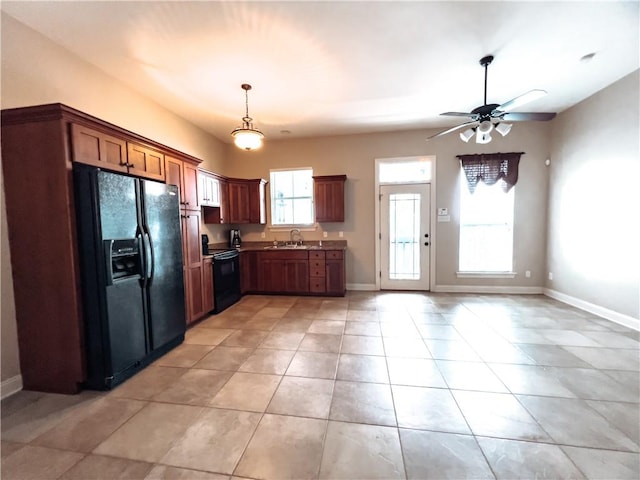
{"x":10,"y":386}
{"x":612,"y":315}
{"x":502,"y":289}
{"x":361,"y":286}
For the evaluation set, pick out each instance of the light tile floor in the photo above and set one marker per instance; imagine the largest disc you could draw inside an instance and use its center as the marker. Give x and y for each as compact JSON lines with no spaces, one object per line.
{"x":373,"y":385}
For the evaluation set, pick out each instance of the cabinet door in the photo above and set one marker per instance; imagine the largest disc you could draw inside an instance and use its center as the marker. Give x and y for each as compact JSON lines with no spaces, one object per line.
{"x":272,"y":275}
{"x":193,"y":264}
{"x":224,"y":202}
{"x":239,"y":211}
{"x":145,"y":162}
{"x":207,"y":284}
{"x":190,"y":176}
{"x":335,"y":273}
{"x":174,"y":175}
{"x":99,"y":149}
{"x":257,"y":205}
{"x":204,"y":189}
{"x":248,"y":272}
{"x":296,"y":276}
{"x":329,"y":198}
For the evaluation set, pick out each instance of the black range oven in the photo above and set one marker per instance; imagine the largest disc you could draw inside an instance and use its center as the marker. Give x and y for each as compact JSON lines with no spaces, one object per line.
{"x":226,"y":278}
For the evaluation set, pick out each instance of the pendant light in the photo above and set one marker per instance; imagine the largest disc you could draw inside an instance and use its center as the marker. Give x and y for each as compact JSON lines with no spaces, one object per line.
{"x":247,"y":137}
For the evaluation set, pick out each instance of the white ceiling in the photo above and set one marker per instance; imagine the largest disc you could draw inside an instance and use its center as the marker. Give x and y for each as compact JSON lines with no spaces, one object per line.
{"x":323,"y":68}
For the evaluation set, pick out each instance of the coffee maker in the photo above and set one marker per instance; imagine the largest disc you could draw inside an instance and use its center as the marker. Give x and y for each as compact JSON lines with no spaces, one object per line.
{"x":234,"y":238}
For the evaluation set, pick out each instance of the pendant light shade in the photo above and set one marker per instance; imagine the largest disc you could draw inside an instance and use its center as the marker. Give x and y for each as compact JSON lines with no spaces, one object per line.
{"x":247,"y":137}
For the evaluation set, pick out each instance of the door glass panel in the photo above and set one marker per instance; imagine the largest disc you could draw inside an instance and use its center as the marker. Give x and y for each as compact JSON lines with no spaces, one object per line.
{"x":404,"y":236}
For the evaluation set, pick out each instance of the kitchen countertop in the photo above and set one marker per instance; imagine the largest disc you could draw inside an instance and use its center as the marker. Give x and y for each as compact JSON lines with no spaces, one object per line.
{"x":307,"y":246}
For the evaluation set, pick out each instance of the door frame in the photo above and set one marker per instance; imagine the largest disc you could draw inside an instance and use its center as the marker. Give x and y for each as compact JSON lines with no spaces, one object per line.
{"x":433,"y":210}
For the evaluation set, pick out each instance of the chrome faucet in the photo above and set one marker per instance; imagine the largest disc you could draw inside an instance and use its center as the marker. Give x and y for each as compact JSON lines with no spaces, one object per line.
{"x":295,"y":233}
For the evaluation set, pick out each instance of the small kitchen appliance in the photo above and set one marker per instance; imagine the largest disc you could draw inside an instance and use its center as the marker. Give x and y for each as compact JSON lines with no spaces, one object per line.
{"x":205,"y":244}
{"x":234,"y":238}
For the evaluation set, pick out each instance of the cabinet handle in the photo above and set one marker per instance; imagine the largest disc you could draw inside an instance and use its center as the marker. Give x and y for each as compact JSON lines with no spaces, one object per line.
{"x":124,"y":164}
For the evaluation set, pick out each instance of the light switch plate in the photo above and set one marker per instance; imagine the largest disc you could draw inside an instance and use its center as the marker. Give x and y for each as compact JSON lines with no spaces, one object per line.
{"x":443,"y":211}
{"x":341,"y":234}
{"x":324,"y":234}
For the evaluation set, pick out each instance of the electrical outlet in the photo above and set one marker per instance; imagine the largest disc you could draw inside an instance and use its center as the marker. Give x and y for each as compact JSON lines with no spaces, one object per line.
{"x":527,"y":274}
{"x":341,"y":234}
{"x":263,"y":235}
{"x":550,"y":276}
{"x":324,"y":234}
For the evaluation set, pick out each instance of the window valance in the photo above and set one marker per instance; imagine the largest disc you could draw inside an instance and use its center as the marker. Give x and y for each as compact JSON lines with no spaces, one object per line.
{"x":491,"y":167}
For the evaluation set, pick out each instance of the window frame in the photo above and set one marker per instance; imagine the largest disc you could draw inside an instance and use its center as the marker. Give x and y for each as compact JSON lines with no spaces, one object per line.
{"x":509,"y":273}
{"x":288,"y":226}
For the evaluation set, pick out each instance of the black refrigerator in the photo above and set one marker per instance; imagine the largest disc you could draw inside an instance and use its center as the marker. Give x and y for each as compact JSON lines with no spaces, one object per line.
{"x":131,"y":272}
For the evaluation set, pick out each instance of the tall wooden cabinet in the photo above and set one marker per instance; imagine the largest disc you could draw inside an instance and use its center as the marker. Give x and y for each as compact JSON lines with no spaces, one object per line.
{"x":39,"y":146}
{"x":197,"y":286}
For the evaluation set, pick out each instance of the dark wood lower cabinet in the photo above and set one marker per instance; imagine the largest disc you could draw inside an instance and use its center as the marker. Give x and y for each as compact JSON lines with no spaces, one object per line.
{"x":293,"y":272}
{"x":248,"y":272}
{"x":335,"y":272}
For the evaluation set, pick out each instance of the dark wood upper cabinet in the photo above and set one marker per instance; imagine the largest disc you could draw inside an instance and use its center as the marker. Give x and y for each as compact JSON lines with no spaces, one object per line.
{"x":329,"y":198}
{"x":247,"y":201}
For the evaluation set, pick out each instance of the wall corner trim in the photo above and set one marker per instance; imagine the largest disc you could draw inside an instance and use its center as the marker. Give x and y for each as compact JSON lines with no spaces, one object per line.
{"x":10,"y":386}
{"x":611,"y":315}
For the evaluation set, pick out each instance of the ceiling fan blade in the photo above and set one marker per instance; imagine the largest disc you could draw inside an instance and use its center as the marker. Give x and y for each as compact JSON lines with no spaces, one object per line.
{"x":458,"y":114}
{"x":452,"y":129}
{"x":521,"y":100}
{"x":527,"y":116}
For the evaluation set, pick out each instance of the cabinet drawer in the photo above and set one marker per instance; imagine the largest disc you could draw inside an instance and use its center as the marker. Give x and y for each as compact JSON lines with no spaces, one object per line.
{"x":335,"y":254}
{"x":316,"y":264}
{"x":317,"y":272}
{"x":316,"y":255}
{"x":317,"y":285}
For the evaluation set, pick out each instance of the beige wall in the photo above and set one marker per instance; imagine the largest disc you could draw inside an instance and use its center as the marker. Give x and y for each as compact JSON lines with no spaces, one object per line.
{"x":594,"y":219}
{"x":36,"y":71}
{"x":354,"y":155}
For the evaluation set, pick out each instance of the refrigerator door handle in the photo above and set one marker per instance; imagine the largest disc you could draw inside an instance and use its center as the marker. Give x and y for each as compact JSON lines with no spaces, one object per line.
{"x":148,"y":253}
{"x":107,"y":246}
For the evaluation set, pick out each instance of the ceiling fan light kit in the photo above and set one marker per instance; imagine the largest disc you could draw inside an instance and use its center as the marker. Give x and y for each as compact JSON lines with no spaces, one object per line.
{"x":246,"y":137}
{"x":503,"y":128}
{"x":482,"y":118}
{"x":467,"y":134}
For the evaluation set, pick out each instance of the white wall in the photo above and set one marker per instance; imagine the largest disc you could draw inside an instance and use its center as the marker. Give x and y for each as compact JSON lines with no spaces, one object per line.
{"x":594,"y":206}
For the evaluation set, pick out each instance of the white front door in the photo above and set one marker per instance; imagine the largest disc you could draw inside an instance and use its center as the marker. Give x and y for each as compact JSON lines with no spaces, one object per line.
{"x":404,"y":236}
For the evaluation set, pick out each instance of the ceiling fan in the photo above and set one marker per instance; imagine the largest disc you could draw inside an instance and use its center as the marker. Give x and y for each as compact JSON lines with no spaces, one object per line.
{"x":487,"y":117}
